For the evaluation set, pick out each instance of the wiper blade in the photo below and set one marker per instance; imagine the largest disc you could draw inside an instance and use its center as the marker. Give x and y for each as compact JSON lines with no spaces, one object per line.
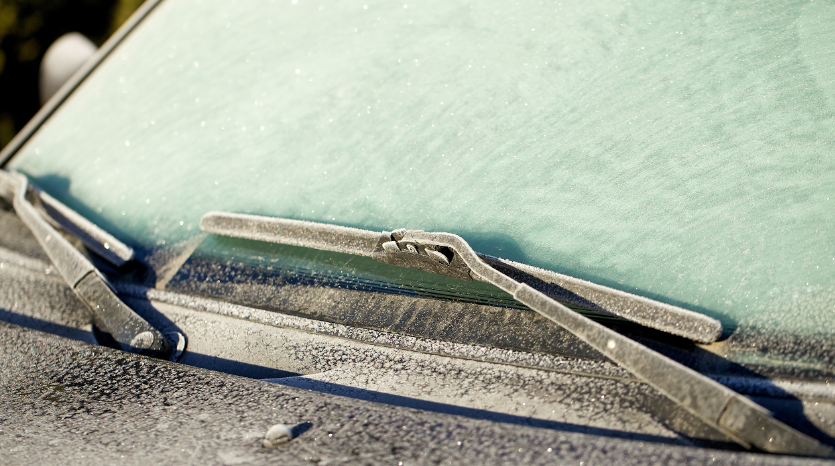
{"x":99,"y":241}
{"x":131,"y":332}
{"x":59,"y":215}
{"x":736,"y":416}
{"x":391,"y":249}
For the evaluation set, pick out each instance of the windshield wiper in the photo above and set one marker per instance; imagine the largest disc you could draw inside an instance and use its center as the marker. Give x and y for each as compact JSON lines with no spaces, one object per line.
{"x":736,"y":416}
{"x":113,"y":317}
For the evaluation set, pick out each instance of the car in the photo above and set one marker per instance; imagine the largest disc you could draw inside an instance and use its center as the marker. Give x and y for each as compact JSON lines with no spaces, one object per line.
{"x":546,"y":229}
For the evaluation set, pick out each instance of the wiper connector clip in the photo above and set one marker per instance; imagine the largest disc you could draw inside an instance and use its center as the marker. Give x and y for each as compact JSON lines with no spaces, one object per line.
{"x":394,"y":248}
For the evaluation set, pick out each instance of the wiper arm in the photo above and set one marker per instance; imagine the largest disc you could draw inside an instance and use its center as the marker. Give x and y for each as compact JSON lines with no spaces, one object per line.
{"x":736,"y":416}
{"x":112,"y":316}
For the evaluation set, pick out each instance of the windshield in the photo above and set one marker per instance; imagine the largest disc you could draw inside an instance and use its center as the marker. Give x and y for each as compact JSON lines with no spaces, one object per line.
{"x":676,"y":151}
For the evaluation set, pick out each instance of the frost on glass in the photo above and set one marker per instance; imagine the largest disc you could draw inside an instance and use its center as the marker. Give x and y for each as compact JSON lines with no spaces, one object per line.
{"x":679,"y":151}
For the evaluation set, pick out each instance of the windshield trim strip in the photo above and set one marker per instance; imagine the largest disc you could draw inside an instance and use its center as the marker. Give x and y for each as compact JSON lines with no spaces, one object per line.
{"x":513,"y":357}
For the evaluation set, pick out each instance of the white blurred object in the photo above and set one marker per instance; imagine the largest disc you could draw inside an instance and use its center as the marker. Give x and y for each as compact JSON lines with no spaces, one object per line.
{"x":61,"y":60}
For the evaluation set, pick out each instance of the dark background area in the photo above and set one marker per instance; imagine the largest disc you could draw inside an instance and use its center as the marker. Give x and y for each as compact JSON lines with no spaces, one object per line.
{"x":27,"y":28}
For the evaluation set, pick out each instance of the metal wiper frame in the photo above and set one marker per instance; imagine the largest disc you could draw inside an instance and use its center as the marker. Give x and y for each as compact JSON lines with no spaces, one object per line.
{"x":742,"y":420}
{"x":111,"y":316}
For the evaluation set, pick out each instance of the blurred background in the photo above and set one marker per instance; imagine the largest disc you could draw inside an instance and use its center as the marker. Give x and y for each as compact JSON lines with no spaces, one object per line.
{"x":27,"y":28}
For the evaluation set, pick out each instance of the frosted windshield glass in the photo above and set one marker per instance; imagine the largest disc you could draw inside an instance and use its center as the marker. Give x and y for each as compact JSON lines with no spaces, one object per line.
{"x":676,"y":150}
